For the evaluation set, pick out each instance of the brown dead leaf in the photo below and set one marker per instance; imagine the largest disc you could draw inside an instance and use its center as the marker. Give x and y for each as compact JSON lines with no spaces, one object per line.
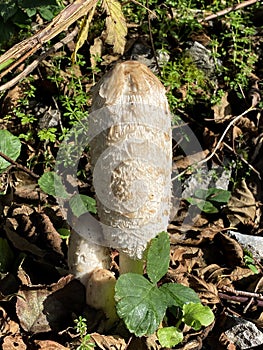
{"x":53,"y":237}
{"x":95,"y":52}
{"x":49,"y":345}
{"x":8,"y":326}
{"x":230,"y":248}
{"x":184,"y":258}
{"x":207,"y":291}
{"x":222,"y":110}
{"x":11,"y":99}
{"x":239,"y":275}
{"x":42,"y":309}
{"x":13,"y":342}
{"x":241,"y":207}
{"x":247,"y":125}
{"x":20,"y":242}
{"x":254,"y":93}
{"x":106,"y":342}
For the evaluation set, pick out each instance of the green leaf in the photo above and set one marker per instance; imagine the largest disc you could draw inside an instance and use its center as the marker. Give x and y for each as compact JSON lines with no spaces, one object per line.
{"x":169,"y":336}
{"x":46,"y":12}
{"x":253,"y":268}
{"x":6,"y":256}
{"x":51,"y":184}
{"x":6,"y":31}
{"x":207,"y":207}
{"x":177,"y":295}
{"x":158,"y":257}
{"x":64,"y":233}
{"x":139,"y":303}
{"x":197,"y":315}
{"x":30,"y":11}
{"x":201,"y":193}
{"x":218,"y":195}
{"x":10,"y":145}
{"x":80,"y":204}
{"x":116,"y":27}
{"x":8,"y":10}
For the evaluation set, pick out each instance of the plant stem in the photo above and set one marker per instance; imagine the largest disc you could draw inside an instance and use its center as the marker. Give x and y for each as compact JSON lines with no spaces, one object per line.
{"x":128,"y":264}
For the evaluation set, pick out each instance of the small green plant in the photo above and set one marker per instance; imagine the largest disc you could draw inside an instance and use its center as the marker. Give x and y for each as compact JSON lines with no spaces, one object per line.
{"x":250,"y":261}
{"x":47,"y":134}
{"x":209,"y":201}
{"x":51,"y":183}
{"x":142,"y":303}
{"x":185,"y":83}
{"x":85,"y":339}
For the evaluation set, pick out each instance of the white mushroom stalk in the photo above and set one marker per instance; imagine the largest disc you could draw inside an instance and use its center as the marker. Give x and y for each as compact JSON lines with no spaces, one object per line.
{"x":131,"y":158}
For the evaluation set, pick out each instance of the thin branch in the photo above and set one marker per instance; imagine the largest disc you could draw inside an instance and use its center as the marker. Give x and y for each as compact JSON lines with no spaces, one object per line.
{"x":36,"y":62}
{"x":211,"y":155}
{"x":19,"y":166}
{"x":243,"y":160}
{"x":228,"y":9}
{"x":60,"y":23}
{"x":240,"y":299}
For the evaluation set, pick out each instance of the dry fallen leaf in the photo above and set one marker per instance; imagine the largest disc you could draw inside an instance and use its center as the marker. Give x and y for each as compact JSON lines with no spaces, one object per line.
{"x":42,"y":309}
{"x":95,"y":52}
{"x":241,"y":207}
{"x":49,"y":345}
{"x":108,"y":342}
{"x":230,"y":248}
{"x":222,"y":110}
{"x":13,"y":342}
{"x":207,"y":291}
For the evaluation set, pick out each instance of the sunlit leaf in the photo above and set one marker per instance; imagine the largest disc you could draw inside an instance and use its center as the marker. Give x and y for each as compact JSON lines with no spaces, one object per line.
{"x":169,"y":336}
{"x":116,"y":27}
{"x":10,"y":146}
{"x":139,"y":303}
{"x":158,"y":257}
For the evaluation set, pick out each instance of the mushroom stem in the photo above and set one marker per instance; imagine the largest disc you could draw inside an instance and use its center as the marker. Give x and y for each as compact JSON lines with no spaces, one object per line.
{"x":100,"y":294}
{"x":128,"y":264}
{"x":85,"y":256}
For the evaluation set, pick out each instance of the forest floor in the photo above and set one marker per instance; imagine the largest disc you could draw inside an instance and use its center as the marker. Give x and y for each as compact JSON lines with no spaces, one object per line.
{"x":212,"y":71}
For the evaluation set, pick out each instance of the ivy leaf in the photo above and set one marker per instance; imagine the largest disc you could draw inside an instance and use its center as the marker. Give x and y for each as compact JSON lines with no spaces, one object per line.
{"x":178,"y":295}
{"x":10,"y":146}
{"x":80,"y":204}
{"x":139,"y":303}
{"x":116,"y":27}
{"x":169,"y":336}
{"x":51,"y":184}
{"x":158,"y":257}
{"x":197,"y":315}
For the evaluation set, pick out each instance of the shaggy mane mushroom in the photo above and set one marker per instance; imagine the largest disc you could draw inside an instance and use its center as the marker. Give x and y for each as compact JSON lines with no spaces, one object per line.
{"x":131,"y":159}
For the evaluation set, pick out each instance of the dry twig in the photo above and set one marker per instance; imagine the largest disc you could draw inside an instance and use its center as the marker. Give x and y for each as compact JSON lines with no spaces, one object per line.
{"x":18,"y":53}
{"x":228,"y":9}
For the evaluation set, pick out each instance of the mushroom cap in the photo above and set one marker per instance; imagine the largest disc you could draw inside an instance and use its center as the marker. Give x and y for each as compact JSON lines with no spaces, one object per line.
{"x":131,"y":156}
